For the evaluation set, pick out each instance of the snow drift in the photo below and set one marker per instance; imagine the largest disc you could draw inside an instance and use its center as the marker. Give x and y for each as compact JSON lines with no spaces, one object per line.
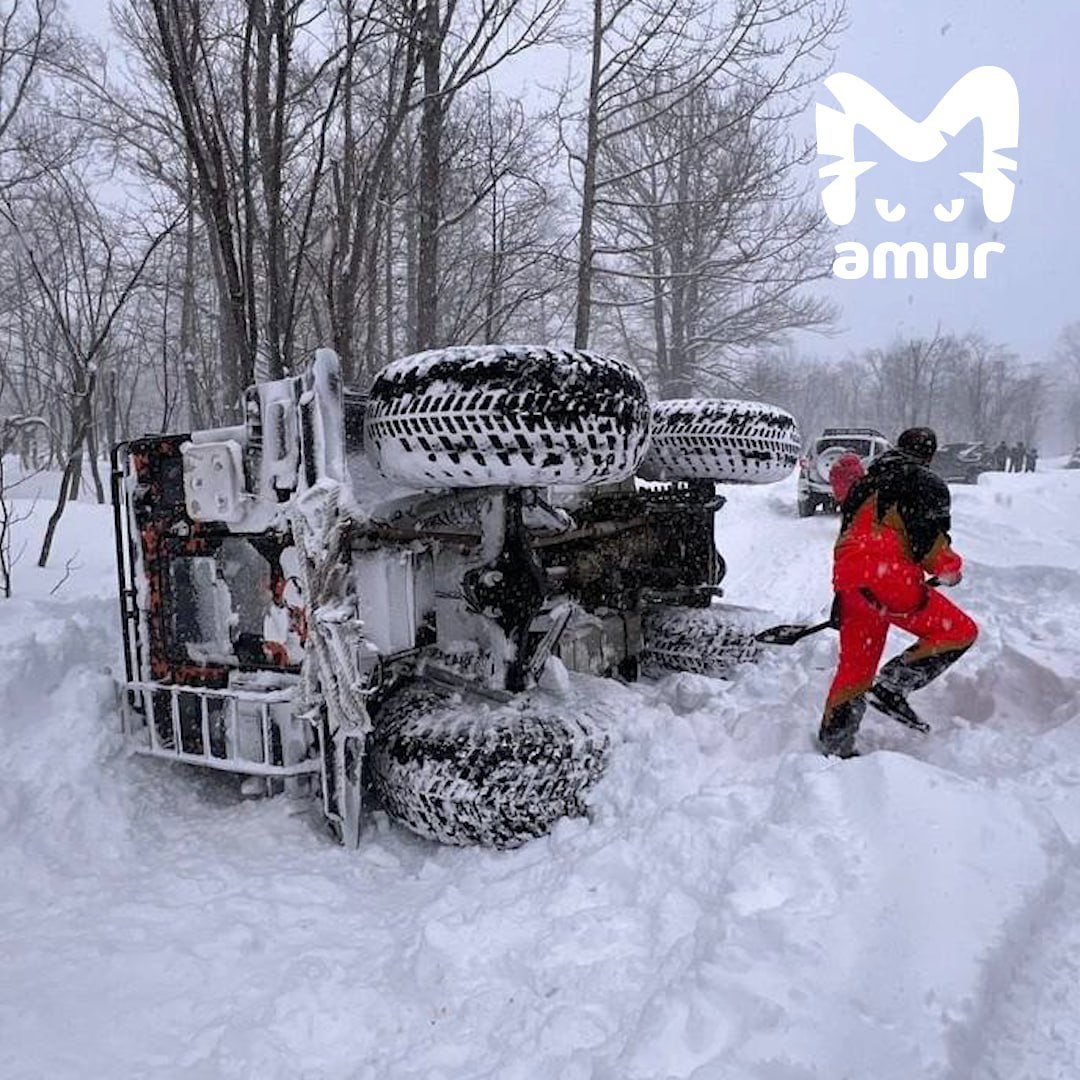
{"x":735,"y":907}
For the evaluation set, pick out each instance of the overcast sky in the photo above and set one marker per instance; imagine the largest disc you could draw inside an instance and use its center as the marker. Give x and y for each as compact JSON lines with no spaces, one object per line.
{"x":913,"y":51}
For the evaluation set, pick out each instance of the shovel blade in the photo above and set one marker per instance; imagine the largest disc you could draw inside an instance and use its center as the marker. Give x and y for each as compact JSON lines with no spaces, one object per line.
{"x":788,"y":633}
{"x":784,"y":634}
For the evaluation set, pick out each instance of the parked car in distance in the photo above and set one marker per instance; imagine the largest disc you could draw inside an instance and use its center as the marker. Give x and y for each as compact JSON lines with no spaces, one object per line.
{"x":962,"y":462}
{"x":1074,"y":460}
{"x":823,"y":452}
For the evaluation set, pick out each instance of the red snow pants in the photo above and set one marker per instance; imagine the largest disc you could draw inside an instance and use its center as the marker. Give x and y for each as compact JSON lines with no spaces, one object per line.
{"x":902,"y":600}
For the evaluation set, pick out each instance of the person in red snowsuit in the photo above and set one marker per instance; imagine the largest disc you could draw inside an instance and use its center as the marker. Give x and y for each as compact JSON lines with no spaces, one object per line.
{"x":894,"y":533}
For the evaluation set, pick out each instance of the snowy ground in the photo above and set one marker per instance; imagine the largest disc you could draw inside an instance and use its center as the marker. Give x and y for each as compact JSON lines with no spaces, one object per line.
{"x":737,"y":906}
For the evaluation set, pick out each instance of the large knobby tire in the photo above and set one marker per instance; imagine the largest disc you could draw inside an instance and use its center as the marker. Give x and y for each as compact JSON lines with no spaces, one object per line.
{"x":741,"y":442}
{"x":460,"y":770}
{"x":707,"y":641}
{"x":515,"y":416}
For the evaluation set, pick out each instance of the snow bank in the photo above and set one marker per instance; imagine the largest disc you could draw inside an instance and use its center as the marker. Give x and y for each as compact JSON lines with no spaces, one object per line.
{"x":738,"y":907}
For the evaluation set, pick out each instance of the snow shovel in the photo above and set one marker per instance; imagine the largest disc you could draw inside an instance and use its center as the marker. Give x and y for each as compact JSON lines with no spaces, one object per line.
{"x":789,"y":633}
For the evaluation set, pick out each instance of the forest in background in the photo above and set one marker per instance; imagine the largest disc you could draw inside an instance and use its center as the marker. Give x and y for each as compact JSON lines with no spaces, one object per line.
{"x":228,"y":185}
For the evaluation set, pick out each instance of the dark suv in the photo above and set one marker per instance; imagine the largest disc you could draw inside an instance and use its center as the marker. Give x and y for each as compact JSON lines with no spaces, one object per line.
{"x":822,"y":454}
{"x":962,"y":462}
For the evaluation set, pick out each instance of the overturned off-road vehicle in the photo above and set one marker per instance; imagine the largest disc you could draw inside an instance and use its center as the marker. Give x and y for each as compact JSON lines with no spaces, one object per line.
{"x":377,"y":598}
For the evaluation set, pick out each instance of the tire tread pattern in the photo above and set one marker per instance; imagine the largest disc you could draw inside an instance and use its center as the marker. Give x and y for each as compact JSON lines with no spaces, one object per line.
{"x":724,"y":440}
{"x":706,"y":641}
{"x":463,"y":771}
{"x":475,"y":416}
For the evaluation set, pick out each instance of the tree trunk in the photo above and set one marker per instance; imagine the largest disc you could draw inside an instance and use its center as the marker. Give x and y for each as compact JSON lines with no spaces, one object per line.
{"x":112,"y":408}
{"x":492,"y":290}
{"x":663,"y":359}
{"x":271,"y":36}
{"x":95,"y":471}
{"x":187,"y":312}
{"x":5,"y":536}
{"x":371,"y":296}
{"x":411,"y":336}
{"x":69,"y":485}
{"x":431,"y":120}
{"x":178,"y":40}
{"x":588,"y":186}
{"x":388,"y":283}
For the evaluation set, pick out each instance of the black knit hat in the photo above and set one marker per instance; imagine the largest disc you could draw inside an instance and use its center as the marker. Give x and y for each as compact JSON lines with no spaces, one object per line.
{"x":919,"y":443}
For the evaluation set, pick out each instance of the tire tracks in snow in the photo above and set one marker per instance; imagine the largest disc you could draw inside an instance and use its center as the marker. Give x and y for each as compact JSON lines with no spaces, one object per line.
{"x":1027,"y":1024}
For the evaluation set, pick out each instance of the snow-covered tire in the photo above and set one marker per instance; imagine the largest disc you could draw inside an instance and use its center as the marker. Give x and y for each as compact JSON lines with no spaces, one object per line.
{"x":743,"y":442}
{"x":707,"y":641}
{"x":460,"y":770}
{"x":508,"y":415}
{"x":828,"y":458}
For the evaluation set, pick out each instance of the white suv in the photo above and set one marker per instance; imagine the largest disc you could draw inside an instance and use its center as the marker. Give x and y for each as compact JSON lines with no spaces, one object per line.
{"x":816,"y":464}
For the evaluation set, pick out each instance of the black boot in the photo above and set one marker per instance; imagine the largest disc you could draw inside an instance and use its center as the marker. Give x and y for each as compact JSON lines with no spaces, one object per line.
{"x":839,"y":726}
{"x":902,"y":676}
{"x":895,"y":706}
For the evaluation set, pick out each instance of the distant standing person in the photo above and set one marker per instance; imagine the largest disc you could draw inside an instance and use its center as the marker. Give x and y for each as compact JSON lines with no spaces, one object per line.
{"x":1000,"y":457}
{"x":1016,"y":458}
{"x":894,"y":532}
{"x":1032,"y":459}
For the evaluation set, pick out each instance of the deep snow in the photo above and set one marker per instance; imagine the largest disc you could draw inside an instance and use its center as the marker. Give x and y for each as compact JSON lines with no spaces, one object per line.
{"x":736,"y":907}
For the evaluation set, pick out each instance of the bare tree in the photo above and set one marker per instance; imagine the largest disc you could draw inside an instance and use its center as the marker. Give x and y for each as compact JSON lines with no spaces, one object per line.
{"x":85,"y":274}
{"x":455,"y":51}
{"x":1067,"y":356}
{"x":649,"y":59}
{"x":254,"y":114}
{"x":909,"y":375}
{"x":13,"y":429}
{"x":503,"y":253}
{"x":380,"y":58}
{"x":630,"y":45}
{"x":7,"y":515}
{"x":705,"y":224}
{"x":1028,"y":399}
{"x":966,"y":387}
{"x":981,"y":383}
{"x":34,"y":44}
{"x":9,"y":427}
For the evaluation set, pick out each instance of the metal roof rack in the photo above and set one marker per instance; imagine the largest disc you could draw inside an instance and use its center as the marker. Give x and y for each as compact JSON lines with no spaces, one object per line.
{"x":852,"y":431}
